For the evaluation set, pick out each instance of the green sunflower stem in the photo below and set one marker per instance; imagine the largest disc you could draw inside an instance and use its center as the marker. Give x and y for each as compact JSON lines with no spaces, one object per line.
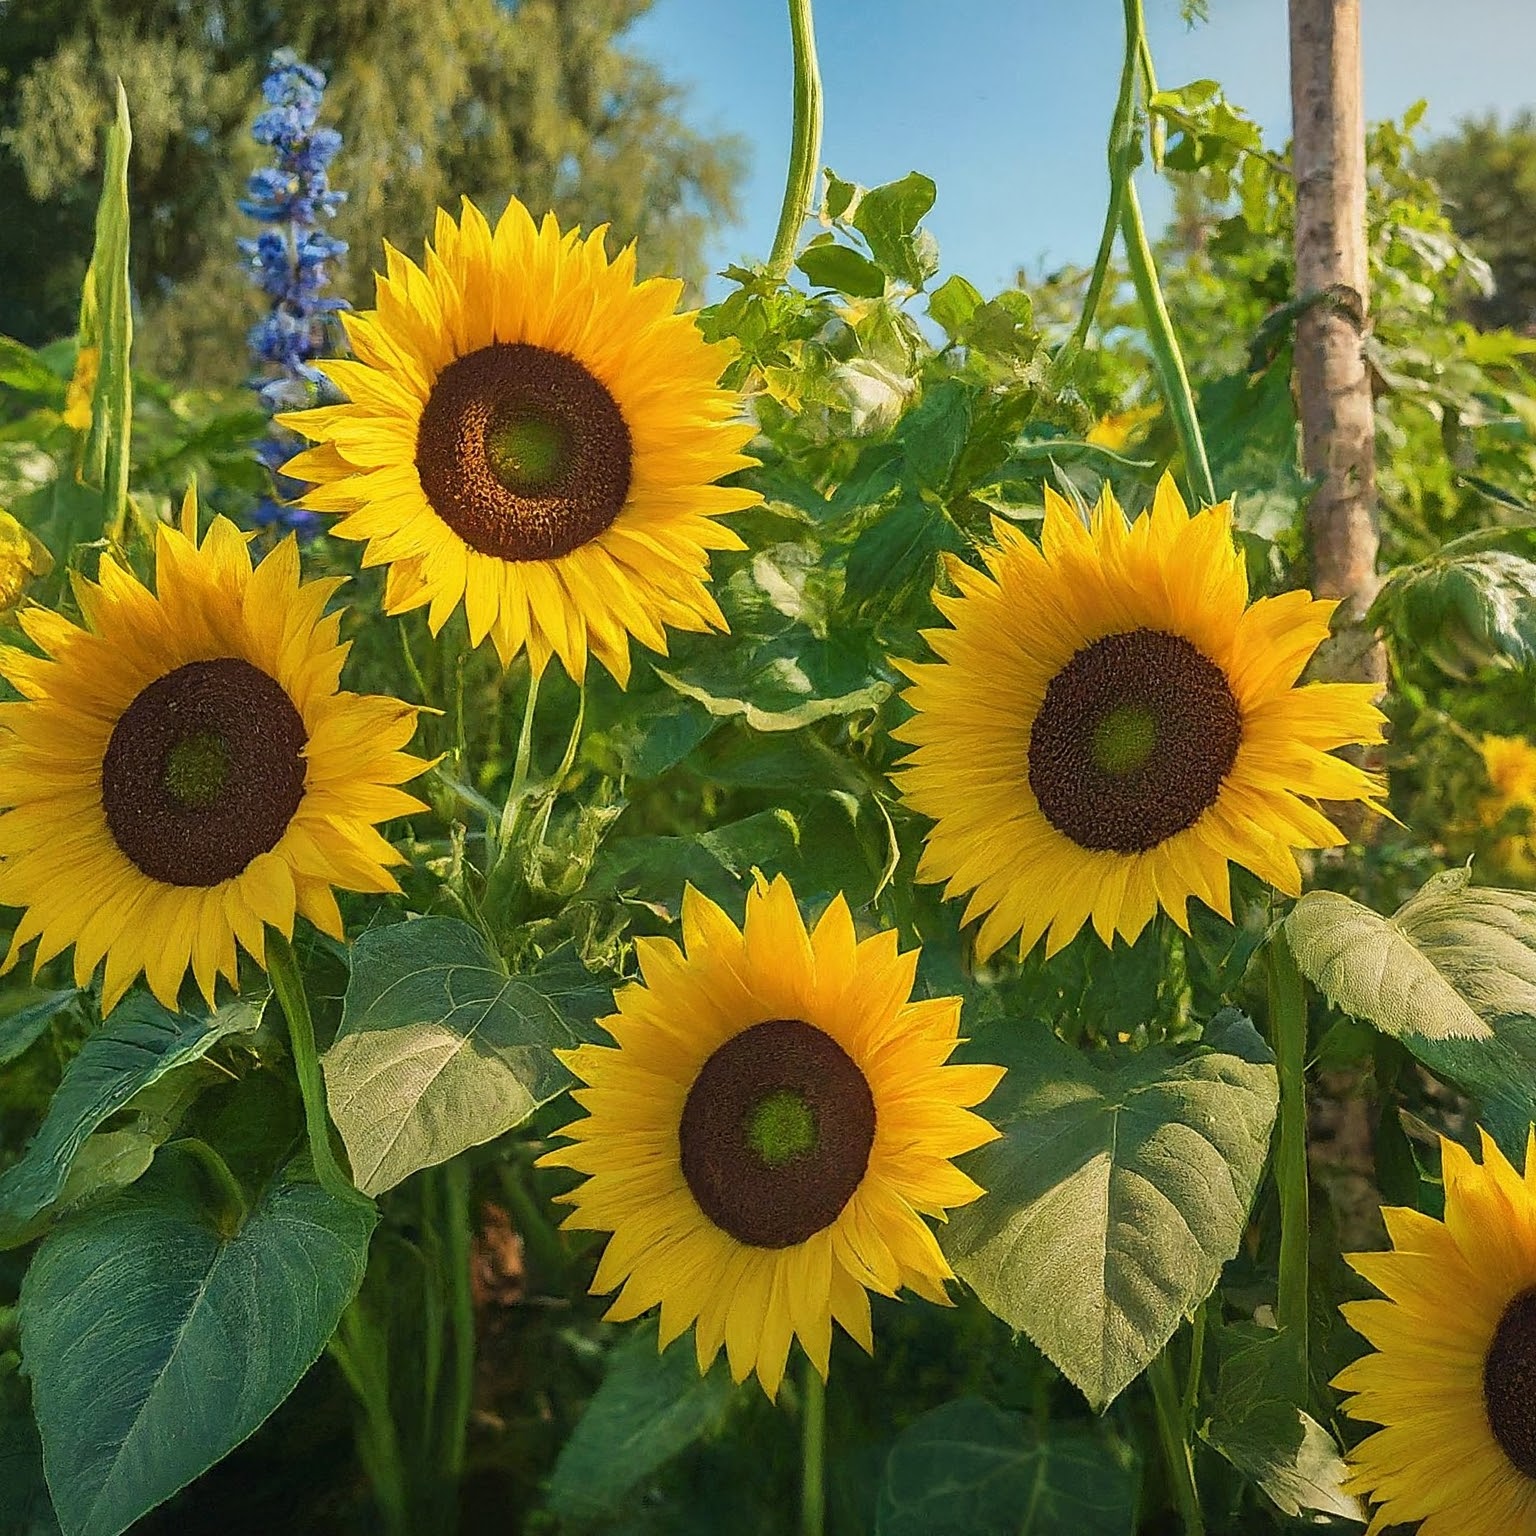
{"x":805,"y":146}
{"x":1165,"y":346}
{"x":1173,"y":1432}
{"x":813,"y":1452}
{"x":1122,"y":159}
{"x":1288,"y":1035}
{"x":521,"y":767}
{"x":458,"y":1241}
{"x":288,"y":984}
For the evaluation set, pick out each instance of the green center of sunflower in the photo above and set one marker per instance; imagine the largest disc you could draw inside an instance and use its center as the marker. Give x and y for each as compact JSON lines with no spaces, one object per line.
{"x":1133,"y":742}
{"x":529,"y":453}
{"x":523,"y":452}
{"x":203,"y":772}
{"x":1509,"y":1383}
{"x":781,"y":1127}
{"x":1123,"y":740}
{"x":776,"y":1133}
{"x":196,"y":769}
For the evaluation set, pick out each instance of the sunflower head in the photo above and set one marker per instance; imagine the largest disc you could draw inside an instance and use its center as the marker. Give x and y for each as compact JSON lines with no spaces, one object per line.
{"x":532,"y":433}
{"x":1110,"y":722}
{"x":1452,"y":1377}
{"x":184,"y":769}
{"x":768,"y":1131}
{"x":1510,"y":764}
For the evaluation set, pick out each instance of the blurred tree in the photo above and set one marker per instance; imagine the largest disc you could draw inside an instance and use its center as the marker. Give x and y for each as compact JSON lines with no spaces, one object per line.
{"x":1488,"y":175}
{"x":435,"y":99}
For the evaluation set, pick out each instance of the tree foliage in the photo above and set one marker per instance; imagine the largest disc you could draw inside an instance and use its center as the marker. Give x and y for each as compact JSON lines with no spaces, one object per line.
{"x":1488,"y":175}
{"x":485,"y":98}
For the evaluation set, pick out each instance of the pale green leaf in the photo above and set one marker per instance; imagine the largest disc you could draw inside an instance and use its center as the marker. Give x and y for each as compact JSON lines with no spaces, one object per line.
{"x":1120,"y":1187}
{"x":1451,"y":958}
{"x":440,"y":1049}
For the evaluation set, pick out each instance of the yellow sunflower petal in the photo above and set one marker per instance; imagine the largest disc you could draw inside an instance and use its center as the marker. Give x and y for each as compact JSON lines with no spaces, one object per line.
{"x":1109,"y":724}
{"x":770,"y":1133}
{"x":1455,"y":1352}
{"x":157,"y":777}
{"x":537,"y":437}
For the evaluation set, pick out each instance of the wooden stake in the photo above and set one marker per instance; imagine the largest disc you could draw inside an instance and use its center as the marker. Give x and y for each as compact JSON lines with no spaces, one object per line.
{"x":1332,"y":381}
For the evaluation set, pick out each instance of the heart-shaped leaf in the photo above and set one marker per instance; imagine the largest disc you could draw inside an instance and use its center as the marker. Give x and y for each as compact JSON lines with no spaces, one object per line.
{"x":440,"y":1049}
{"x":156,"y":1342}
{"x":1118,"y":1190}
{"x":140,"y":1044}
{"x":1453,"y":957}
{"x":969,"y":1469}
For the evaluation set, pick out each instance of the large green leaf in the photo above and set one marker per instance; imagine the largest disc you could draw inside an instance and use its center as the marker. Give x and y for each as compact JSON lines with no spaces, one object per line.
{"x":1482,"y":942}
{"x":28,"y":1014}
{"x":969,"y":1469}
{"x":898,"y":550}
{"x":1120,"y":1187}
{"x":1257,"y":1426}
{"x":1466,"y":612}
{"x":24,"y":1506}
{"x":137,"y":1046}
{"x":1451,"y":958}
{"x":156,"y":1343}
{"x":888,"y":218}
{"x":649,"y":1407}
{"x":440,"y":1049}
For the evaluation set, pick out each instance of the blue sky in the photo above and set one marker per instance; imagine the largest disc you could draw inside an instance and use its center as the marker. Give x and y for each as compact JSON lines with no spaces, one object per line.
{"x":1005,"y":103}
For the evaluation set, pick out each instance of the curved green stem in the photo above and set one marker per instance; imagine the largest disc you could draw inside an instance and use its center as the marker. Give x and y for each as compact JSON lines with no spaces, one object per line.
{"x":813,"y":1452}
{"x":1124,"y":213}
{"x":1165,"y":347}
{"x":1122,"y":157}
{"x":1173,"y":1432}
{"x":521,"y":766}
{"x":805,"y":145}
{"x":288,"y":984}
{"x":232,"y":1206}
{"x":1288,"y":1036}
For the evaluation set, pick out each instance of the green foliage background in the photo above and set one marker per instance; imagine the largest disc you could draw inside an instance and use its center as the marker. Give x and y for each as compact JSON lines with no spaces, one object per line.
{"x":540,"y":98}
{"x":900,"y":411}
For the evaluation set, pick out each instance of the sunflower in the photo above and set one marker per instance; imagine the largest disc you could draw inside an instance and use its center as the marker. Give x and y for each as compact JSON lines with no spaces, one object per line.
{"x":534,"y":434}
{"x":771,"y":1128}
{"x":183,"y":770}
{"x":1510,"y":764}
{"x":1453,"y":1375}
{"x":1110,"y":722}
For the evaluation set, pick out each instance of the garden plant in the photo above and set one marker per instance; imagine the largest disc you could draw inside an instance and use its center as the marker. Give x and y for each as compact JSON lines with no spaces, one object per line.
{"x":829,"y":913}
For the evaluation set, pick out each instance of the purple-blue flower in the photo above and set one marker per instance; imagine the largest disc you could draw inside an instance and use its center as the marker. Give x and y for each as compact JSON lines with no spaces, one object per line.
{"x":290,"y":262}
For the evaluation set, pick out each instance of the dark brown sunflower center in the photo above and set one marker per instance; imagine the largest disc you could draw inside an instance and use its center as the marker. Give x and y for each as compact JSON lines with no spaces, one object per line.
{"x":522,"y":452}
{"x":203,"y":772}
{"x":1135,"y":737}
{"x":1509,"y":1382}
{"x":776,"y":1133}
